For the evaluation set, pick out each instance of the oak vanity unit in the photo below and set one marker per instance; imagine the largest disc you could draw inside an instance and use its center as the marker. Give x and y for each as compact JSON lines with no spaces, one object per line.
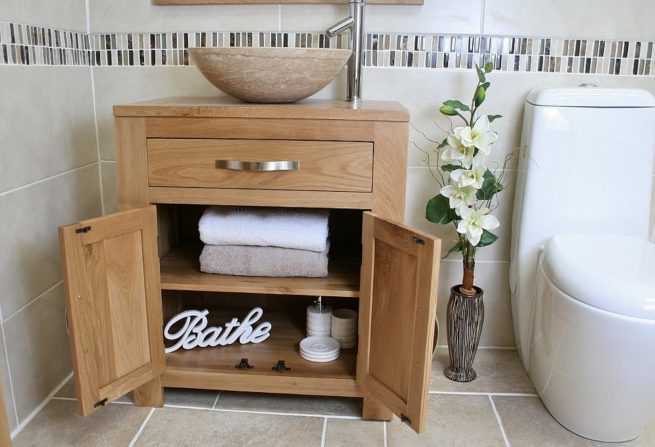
{"x":128,"y":273}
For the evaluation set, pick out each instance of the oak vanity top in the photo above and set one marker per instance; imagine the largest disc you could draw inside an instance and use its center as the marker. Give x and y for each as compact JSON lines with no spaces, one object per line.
{"x":223,"y":107}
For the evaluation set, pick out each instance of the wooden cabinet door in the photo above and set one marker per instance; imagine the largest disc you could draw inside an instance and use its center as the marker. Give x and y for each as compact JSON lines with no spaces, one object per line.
{"x":111,"y":273}
{"x":400,"y":273}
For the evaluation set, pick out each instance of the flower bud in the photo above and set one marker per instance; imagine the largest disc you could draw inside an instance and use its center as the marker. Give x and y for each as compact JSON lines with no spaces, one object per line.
{"x":479,"y":96}
{"x":448,"y":110}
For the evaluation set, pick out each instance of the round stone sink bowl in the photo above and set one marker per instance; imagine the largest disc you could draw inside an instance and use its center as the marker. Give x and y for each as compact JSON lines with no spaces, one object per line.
{"x":269,"y":75}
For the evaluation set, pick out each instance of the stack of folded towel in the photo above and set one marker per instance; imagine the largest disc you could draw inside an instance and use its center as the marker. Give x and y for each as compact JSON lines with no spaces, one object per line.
{"x":264,"y":241}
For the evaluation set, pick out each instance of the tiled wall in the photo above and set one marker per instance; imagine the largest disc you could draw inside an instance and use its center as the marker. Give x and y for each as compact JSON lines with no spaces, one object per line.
{"x":52,"y":160}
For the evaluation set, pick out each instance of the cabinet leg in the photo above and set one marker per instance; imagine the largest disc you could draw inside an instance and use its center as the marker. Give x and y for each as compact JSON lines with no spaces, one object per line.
{"x":374,"y":409}
{"x":150,"y":394}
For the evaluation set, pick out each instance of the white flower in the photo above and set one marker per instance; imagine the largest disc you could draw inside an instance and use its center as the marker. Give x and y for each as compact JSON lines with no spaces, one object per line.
{"x":456,"y":151}
{"x":469,"y":177}
{"x":480,"y":136}
{"x":474,"y":221}
{"x":459,"y":196}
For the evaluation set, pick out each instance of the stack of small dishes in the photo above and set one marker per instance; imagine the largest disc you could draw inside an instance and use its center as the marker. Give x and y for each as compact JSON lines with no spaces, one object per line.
{"x":319,"y":349}
{"x":319,"y":319}
{"x":344,"y":327}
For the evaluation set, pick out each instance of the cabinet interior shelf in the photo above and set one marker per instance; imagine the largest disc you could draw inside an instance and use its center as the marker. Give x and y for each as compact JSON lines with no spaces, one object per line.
{"x":180,"y":270}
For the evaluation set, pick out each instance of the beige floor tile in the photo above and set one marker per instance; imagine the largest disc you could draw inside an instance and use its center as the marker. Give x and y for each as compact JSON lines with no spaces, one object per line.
{"x":354,"y":433}
{"x":499,"y":371}
{"x":453,"y":421}
{"x":189,"y":397}
{"x":58,"y":424}
{"x":283,"y":403}
{"x":181,"y":427}
{"x":527,"y":423}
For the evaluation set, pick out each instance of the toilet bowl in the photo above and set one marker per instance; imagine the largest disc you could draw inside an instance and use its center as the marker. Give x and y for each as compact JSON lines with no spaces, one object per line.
{"x":582,"y":272}
{"x":593,"y":334}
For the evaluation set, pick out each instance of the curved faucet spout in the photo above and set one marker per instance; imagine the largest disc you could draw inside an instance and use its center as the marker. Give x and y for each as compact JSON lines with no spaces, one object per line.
{"x":355,"y":23}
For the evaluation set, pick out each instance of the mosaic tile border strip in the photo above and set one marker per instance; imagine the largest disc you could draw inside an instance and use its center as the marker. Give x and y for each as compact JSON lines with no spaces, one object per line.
{"x":33,"y":45}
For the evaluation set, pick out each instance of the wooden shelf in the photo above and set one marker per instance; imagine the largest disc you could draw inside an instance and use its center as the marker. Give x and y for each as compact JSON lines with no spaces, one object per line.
{"x":214,"y":368}
{"x":180,"y":270}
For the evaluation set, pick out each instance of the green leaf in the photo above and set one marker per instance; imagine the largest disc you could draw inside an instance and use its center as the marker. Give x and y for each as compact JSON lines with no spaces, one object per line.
{"x":481,"y":75}
{"x":443,"y":144}
{"x":456,"y":105}
{"x":480,"y":95}
{"x":487,"y":238}
{"x":448,"y":110}
{"x":490,"y":186}
{"x":488,"y":67}
{"x":457,"y":248}
{"x":492,"y":118}
{"x":450,"y":168}
{"x":486,"y":85}
{"x":438,"y":210}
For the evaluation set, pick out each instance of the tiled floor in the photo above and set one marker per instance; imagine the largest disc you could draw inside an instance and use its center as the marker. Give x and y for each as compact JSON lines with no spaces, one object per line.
{"x":497,"y":409}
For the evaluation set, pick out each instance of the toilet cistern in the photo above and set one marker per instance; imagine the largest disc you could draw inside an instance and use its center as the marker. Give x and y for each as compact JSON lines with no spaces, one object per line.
{"x":355,"y":23}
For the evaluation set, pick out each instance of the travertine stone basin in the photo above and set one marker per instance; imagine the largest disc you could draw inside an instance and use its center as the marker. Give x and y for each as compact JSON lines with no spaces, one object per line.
{"x":269,"y":75}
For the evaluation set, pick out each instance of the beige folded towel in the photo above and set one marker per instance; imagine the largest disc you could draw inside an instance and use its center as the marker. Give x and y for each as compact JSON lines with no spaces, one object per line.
{"x":245,"y":260}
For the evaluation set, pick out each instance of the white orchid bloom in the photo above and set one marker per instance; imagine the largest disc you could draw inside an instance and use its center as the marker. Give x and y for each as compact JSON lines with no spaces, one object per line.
{"x":474,"y":222}
{"x":469,"y":177}
{"x":459,"y":196}
{"x":457,"y":152}
{"x":480,"y":136}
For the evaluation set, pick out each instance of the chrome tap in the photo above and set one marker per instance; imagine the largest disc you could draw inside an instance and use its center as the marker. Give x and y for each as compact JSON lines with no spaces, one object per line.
{"x":355,"y":23}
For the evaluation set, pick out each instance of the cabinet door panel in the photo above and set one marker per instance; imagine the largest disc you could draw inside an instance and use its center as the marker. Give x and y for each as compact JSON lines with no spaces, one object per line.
{"x":399,"y":292}
{"x":114,"y":304}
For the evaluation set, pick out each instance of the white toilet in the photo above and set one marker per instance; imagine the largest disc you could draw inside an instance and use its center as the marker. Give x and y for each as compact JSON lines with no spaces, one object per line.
{"x":582,"y":273}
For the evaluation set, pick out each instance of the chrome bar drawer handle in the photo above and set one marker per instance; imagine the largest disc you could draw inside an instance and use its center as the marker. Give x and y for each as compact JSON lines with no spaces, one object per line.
{"x":238,"y":165}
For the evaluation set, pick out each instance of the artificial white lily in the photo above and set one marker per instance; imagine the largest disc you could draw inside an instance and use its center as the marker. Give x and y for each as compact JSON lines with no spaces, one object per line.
{"x":457,"y":152}
{"x":480,"y":136}
{"x":459,"y":196}
{"x":474,"y":221}
{"x":469,"y":177}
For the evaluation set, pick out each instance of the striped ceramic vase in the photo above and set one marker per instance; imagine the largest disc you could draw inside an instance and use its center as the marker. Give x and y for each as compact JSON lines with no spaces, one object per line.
{"x":464,"y":318}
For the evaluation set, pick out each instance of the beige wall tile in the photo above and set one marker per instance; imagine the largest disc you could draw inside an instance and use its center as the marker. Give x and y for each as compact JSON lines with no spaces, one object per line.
{"x":30,"y":219}
{"x":38,"y":352}
{"x":453,"y":421}
{"x":59,"y":424}
{"x":627,"y":19}
{"x":47,"y":122}
{"x":64,"y":14}
{"x":174,"y":426}
{"x":433,"y":16}
{"x":493,"y":278}
{"x":120,"y":16}
{"x":354,"y":433}
{"x":6,"y":387}
{"x":109,"y":187}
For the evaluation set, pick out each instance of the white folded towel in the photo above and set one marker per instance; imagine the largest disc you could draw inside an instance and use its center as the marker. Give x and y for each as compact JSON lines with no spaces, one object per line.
{"x":303,"y":229}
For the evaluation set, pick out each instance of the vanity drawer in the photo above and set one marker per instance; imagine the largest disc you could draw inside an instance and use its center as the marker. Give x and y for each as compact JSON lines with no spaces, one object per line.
{"x":248,"y":164}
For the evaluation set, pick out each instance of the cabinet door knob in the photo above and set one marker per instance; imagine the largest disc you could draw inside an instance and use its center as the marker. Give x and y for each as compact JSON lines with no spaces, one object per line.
{"x":238,"y":165}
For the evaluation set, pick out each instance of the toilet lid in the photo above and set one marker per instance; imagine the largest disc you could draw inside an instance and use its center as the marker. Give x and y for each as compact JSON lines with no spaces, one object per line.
{"x":610,"y":272}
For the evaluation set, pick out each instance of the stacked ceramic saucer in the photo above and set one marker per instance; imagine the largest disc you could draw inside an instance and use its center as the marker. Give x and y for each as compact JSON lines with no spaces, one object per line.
{"x":319,"y":319}
{"x":344,"y":327}
{"x":319,"y":349}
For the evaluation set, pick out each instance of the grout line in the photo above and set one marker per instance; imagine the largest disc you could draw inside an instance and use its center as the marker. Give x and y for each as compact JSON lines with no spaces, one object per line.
{"x":40,"y":407}
{"x":11,"y":382}
{"x":279,"y":18}
{"x":386,"y":442}
{"x":87,"y":12}
{"x":482,"y":12}
{"x":72,"y":399}
{"x":25,"y":306}
{"x":500,"y":422}
{"x":95,"y":123}
{"x":216,"y":401}
{"x":324,"y":433}
{"x":143,"y":425}
{"x":18,"y":188}
{"x":480,"y":393}
{"x":271,"y":413}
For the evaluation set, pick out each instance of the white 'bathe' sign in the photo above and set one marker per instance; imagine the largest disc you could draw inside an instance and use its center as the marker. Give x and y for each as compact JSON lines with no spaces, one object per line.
{"x":193,"y":331}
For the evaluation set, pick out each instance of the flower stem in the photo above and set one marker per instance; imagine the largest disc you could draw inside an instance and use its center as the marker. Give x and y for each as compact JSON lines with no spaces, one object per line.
{"x":469,"y":269}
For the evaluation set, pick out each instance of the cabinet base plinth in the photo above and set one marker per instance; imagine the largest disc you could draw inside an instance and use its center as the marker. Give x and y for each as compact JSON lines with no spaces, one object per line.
{"x":150,"y":394}
{"x":373,"y":409}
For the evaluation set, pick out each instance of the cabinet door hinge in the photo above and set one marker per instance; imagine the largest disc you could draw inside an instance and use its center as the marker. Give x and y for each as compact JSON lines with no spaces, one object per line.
{"x":83,"y":230}
{"x":418,"y":240}
{"x":100,"y":403}
{"x":405,"y":419}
